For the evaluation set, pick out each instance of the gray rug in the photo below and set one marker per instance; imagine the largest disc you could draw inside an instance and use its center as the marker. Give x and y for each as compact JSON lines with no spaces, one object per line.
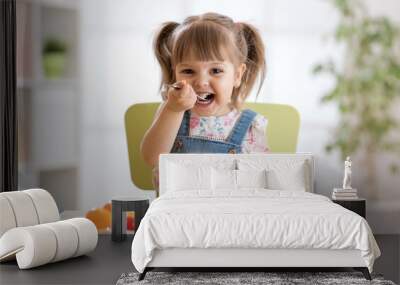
{"x":269,"y":278}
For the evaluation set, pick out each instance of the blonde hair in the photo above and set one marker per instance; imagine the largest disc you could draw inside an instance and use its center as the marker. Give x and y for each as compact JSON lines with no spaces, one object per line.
{"x":206,"y":37}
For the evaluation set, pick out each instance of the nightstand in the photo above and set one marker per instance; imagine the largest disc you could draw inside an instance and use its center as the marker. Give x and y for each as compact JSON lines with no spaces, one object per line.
{"x":357,"y":205}
{"x":119,"y":206}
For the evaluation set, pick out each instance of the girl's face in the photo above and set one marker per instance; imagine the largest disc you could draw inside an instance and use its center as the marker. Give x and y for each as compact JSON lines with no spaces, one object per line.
{"x":213,"y":80}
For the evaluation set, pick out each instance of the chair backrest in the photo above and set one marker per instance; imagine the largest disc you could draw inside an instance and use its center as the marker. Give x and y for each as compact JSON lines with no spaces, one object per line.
{"x":282,"y":133}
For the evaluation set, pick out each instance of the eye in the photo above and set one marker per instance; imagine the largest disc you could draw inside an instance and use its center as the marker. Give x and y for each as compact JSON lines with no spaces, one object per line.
{"x":217,"y":70}
{"x":186,"y":71}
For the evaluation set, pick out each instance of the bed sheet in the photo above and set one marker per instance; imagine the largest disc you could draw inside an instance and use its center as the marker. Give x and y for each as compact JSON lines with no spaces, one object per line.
{"x":250,"y":218}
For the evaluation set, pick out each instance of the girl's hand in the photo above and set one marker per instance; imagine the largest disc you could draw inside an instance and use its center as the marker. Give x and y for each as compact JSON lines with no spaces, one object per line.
{"x":180,"y":100}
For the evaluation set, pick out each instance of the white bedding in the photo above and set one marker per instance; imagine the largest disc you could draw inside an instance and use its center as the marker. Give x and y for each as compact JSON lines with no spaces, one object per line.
{"x":251,"y":218}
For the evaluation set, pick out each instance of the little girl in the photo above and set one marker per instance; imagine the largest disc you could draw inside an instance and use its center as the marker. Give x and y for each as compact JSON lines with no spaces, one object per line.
{"x":209,"y":65}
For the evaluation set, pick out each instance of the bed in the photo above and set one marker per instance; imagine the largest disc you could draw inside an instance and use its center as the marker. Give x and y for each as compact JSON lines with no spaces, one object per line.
{"x":248,"y":210}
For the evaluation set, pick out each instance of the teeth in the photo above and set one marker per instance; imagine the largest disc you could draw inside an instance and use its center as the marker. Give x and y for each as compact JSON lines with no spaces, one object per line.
{"x":203,"y":95}
{"x":202,"y":98}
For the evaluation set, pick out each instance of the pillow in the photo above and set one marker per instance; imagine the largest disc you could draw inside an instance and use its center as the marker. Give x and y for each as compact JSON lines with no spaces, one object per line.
{"x":281,"y":174}
{"x":182,"y":177}
{"x":288,"y":178}
{"x":251,"y":178}
{"x":223,"y":179}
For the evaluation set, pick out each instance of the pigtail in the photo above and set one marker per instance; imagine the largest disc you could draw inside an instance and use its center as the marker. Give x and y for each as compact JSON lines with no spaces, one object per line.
{"x":255,"y":62}
{"x":162,"y":46}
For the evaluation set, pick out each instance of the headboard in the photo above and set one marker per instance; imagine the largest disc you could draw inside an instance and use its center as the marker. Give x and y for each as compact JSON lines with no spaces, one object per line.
{"x":278,"y":162}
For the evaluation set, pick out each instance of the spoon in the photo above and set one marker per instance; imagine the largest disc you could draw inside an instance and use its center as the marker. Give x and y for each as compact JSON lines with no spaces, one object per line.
{"x":176,"y":86}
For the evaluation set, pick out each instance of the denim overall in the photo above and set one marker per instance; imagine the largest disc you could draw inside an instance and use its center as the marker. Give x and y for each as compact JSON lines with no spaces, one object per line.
{"x":232,"y":144}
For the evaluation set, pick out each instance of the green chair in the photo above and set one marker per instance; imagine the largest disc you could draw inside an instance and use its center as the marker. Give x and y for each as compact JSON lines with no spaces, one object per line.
{"x":282,"y":133}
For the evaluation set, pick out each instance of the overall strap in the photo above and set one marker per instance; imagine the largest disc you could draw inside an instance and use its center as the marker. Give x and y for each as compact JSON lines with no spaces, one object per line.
{"x":184,"y":128}
{"x":242,"y":125}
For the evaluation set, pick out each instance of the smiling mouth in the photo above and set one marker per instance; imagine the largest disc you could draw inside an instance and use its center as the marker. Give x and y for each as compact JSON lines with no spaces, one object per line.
{"x":205,"y":99}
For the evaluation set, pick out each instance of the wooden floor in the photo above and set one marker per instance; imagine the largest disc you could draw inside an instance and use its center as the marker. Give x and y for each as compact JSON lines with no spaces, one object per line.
{"x":110,"y":260}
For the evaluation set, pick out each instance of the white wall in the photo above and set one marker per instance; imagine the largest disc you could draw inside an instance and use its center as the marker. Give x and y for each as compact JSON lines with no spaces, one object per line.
{"x":119,"y":69}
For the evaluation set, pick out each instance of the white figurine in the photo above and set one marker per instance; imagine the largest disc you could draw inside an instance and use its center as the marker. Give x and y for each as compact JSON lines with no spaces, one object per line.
{"x":347,"y":174}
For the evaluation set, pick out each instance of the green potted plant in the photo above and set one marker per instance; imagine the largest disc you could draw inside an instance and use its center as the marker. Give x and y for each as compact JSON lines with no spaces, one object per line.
{"x":54,"y":58}
{"x":367,"y":87}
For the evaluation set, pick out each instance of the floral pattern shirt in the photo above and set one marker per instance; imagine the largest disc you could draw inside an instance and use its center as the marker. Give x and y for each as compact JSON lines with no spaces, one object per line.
{"x":219,"y":128}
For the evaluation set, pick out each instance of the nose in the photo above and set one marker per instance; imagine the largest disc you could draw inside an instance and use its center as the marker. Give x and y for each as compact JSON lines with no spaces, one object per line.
{"x":201,"y":81}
